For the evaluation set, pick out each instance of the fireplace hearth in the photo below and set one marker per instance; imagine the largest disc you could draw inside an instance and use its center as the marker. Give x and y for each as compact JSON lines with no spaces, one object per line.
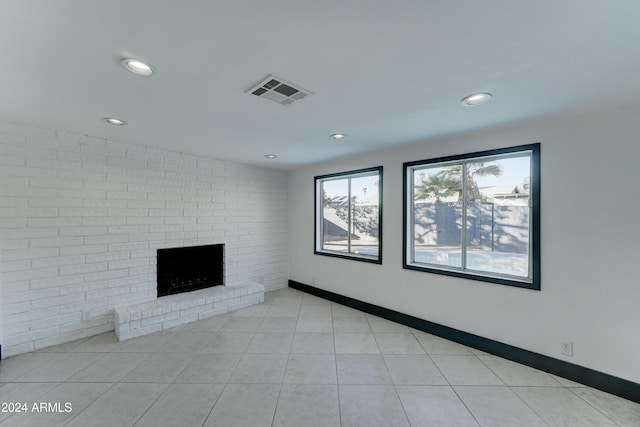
{"x":189,"y":269}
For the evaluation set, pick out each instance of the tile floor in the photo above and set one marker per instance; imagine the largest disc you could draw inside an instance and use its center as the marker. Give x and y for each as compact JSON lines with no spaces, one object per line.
{"x":295,"y":360}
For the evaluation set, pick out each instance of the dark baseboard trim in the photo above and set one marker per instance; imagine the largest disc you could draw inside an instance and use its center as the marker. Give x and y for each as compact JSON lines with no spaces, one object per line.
{"x":599,"y":380}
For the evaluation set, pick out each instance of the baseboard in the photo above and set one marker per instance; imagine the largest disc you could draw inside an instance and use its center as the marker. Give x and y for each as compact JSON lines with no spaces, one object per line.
{"x":589,"y":377}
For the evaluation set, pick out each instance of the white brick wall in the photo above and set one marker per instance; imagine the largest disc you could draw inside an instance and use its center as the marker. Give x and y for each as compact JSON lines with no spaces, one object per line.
{"x":81,"y":219}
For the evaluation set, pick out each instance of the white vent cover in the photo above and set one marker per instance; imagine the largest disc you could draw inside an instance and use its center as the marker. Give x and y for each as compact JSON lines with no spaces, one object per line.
{"x":278,"y":90}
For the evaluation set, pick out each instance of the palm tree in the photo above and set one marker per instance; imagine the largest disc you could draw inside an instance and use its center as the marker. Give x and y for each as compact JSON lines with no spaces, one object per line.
{"x":479,"y":169}
{"x":326,"y":200}
{"x":329,"y":201}
{"x":436,"y":187}
{"x":474,"y":169}
{"x":447,"y":182}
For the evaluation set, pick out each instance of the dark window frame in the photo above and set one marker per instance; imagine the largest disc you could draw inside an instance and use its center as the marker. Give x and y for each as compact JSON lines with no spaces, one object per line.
{"x":534,"y":236}
{"x":317,"y":243}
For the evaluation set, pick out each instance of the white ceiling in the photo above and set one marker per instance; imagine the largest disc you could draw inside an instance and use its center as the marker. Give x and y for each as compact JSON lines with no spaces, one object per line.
{"x":383,"y":72}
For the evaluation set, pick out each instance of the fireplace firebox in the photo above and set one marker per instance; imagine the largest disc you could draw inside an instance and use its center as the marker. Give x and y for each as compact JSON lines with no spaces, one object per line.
{"x":189,"y":269}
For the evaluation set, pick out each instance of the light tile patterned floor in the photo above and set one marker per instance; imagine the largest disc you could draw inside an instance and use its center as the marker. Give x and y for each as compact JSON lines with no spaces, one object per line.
{"x":296,"y":360}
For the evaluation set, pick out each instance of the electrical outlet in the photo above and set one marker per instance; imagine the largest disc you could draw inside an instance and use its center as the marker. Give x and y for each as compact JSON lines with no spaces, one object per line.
{"x":261,"y":280}
{"x":313,"y":280}
{"x":567,"y":348}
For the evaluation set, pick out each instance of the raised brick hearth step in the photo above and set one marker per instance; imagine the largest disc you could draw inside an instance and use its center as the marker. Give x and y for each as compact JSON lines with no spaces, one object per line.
{"x":166,"y":312}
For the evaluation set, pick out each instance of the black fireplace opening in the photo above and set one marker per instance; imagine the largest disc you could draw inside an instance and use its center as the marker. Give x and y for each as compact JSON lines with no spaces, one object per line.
{"x":189,"y":269}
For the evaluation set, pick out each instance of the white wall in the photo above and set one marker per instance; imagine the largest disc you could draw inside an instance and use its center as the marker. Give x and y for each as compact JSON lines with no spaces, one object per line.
{"x":590,"y":239}
{"x":81,"y":219}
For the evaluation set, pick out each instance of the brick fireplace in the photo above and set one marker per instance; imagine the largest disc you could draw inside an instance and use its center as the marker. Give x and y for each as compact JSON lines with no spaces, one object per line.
{"x":82,"y":219}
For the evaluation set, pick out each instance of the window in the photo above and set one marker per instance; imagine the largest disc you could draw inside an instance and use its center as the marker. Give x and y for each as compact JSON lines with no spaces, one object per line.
{"x":349,"y":215}
{"x":475,"y":216}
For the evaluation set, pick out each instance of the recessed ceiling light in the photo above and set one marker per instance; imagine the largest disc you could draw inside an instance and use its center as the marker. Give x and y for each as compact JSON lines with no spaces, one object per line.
{"x":271,"y":156}
{"x":338,"y":136}
{"x":114,"y":121}
{"x":137,"y":67}
{"x":476,"y":99}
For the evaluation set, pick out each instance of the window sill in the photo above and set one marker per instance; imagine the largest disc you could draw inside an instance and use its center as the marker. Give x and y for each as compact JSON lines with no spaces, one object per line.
{"x":482,"y":277}
{"x":354,"y":257}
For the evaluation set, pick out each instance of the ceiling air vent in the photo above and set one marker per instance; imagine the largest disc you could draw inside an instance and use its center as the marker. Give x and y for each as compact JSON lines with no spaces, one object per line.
{"x":278,"y":90}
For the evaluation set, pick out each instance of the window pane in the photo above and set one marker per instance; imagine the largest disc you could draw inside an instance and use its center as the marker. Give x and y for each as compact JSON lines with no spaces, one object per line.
{"x":475,"y":216}
{"x":364,"y":216}
{"x":497,"y":234}
{"x":437,"y":216}
{"x":335,"y":215}
{"x":349,"y":215}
